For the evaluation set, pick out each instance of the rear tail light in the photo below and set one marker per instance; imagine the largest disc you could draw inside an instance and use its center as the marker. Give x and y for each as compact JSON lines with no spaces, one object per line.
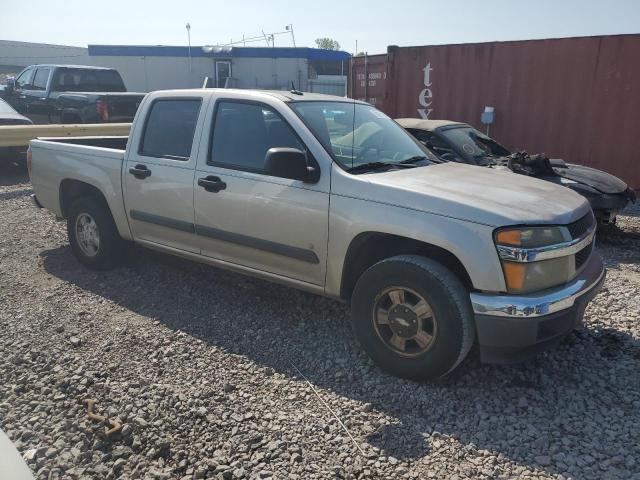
{"x":103,"y":110}
{"x":29,"y":158}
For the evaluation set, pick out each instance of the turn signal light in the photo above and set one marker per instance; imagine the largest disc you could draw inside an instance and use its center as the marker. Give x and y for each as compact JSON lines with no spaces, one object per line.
{"x":29,"y":159}
{"x":514,"y":275}
{"x":509,"y":237}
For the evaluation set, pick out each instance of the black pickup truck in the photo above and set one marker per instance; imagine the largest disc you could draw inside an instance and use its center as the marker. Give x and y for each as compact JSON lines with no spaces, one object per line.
{"x":71,"y":94}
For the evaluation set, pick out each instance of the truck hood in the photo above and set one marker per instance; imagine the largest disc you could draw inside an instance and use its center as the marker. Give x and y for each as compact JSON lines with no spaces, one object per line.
{"x":597,"y":179}
{"x":487,"y":196}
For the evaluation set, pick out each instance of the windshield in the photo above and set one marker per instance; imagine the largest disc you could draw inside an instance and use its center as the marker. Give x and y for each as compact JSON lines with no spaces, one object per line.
{"x":474,"y":143}
{"x":358,"y":135}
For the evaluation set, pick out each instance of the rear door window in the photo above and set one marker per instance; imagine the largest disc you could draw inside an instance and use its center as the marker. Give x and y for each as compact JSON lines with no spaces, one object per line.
{"x":169,"y":128}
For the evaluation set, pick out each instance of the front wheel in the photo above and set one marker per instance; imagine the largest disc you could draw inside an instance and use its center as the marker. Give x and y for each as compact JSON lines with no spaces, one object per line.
{"x":413,"y":317}
{"x":93,"y":235}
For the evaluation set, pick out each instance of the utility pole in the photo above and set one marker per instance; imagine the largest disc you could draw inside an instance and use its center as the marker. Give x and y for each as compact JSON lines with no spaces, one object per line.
{"x":189,"y":40}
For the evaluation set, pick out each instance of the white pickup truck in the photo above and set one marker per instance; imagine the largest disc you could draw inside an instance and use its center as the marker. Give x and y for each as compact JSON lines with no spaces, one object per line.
{"x":331,"y":196}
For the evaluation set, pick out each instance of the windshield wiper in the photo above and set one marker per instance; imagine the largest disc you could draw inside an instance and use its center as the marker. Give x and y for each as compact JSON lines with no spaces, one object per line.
{"x":378,"y":165}
{"x":414,"y":159}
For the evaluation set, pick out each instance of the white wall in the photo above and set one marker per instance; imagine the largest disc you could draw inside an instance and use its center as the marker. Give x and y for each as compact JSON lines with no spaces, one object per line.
{"x":23,"y":54}
{"x":157,"y":73}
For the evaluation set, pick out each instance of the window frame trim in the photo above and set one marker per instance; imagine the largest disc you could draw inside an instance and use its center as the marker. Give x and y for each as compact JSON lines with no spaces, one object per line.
{"x":140,"y":151}
{"x":311,"y":161}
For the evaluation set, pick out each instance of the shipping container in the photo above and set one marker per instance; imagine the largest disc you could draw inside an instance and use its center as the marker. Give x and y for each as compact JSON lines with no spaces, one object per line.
{"x":571,"y":98}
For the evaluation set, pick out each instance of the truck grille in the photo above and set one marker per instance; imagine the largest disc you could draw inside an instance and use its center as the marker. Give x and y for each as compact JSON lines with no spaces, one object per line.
{"x":581,"y":226}
{"x":583,"y":255}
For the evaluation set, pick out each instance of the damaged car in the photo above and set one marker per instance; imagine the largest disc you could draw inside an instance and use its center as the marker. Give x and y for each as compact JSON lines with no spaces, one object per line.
{"x":460,"y":142}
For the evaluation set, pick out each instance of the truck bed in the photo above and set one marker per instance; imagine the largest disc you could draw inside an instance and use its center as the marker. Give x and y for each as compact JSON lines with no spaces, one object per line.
{"x":96,"y":161}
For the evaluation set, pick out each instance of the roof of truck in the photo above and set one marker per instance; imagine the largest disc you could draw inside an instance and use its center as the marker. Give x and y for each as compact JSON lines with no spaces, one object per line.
{"x":428,"y":125}
{"x":284,"y":95}
{"x":56,"y":65}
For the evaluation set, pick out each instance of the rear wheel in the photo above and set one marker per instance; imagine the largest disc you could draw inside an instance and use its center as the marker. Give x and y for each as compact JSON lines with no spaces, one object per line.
{"x":413,"y":317}
{"x":93,"y":235}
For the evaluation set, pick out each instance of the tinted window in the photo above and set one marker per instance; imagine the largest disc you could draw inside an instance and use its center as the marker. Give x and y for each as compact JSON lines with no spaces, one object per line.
{"x":40,"y":79}
{"x":244,"y":132}
{"x":169,"y":128}
{"x":87,"y":80}
{"x":24,"y":79}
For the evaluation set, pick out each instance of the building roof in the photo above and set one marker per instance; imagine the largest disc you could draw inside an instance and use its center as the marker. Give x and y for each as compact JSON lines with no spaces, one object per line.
{"x":217,"y":52}
{"x":428,"y":125}
{"x":59,"y":65}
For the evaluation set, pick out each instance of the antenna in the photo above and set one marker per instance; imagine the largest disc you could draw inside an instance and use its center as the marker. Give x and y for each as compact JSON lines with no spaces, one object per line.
{"x":293,"y":37}
{"x":265,"y":37}
{"x":293,"y":89}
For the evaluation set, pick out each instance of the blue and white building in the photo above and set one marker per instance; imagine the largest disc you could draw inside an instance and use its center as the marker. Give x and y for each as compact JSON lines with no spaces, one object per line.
{"x":147,"y":68}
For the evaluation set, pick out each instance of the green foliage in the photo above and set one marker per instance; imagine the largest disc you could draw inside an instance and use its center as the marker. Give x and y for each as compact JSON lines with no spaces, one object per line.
{"x":327,"y":43}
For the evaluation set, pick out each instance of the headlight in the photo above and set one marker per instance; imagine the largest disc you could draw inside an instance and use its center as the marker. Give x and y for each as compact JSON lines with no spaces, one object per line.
{"x":518,"y":249}
{"x":529,"y":237}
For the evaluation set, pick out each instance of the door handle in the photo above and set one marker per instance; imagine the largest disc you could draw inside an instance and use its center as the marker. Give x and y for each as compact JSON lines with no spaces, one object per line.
{"x":140,"y":171}
{"x":212,"y":184}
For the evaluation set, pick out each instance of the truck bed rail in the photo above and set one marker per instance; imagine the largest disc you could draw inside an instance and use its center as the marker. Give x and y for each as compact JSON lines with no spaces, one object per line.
{"x":20,"y":135}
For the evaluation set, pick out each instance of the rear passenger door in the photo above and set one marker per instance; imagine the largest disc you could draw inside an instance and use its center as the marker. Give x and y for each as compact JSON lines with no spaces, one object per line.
{"x":159,"y":171}
{"x":267,"y":223}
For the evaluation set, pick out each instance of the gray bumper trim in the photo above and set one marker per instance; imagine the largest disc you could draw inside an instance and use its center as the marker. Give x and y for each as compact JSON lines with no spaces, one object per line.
{"x":543,"y":303}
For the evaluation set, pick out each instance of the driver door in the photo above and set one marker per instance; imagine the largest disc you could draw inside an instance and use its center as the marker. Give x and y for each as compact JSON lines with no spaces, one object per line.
{"x":271,"y":224}
{"x":18,"y":99}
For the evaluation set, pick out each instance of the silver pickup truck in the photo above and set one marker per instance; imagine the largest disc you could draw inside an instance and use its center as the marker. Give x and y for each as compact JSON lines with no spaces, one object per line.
{"x":331,"y":196}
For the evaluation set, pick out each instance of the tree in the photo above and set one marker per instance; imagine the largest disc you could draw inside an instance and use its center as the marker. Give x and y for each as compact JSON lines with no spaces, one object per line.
{"x":327,"y":43}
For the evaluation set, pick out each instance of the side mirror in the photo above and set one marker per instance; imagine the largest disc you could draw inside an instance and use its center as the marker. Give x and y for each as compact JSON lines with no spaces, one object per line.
{"x":289,"y":163}
{"x":11,"y":86}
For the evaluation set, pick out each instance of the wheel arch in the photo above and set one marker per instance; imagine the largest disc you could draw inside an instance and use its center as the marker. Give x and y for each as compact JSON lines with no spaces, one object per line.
{"x":72,"y":189}
{"x":368,"y":248}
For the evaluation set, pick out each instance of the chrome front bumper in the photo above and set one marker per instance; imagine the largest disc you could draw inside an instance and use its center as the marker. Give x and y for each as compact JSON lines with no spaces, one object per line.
{"x":545,"y":302}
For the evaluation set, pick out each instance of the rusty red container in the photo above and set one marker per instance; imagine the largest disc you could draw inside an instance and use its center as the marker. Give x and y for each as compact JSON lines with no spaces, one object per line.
{"x":571,"y":98}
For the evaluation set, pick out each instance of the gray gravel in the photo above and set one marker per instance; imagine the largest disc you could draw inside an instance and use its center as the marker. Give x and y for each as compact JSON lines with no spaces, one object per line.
{"x":199,"y":365}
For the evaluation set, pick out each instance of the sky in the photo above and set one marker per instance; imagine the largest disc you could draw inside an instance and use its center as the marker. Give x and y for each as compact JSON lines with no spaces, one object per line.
{"x":374,"y":24}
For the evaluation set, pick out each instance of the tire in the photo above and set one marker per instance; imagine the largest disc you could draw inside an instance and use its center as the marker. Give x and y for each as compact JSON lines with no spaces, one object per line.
{"x":450,"y":326}
{"x":110,"y":244}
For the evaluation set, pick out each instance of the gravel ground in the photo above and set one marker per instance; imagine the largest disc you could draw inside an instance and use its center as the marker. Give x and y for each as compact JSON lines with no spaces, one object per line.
{"x":204,"y":369}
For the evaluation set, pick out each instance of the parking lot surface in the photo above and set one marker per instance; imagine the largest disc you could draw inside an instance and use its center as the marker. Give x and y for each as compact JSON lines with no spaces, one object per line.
{"x":216,"y":375}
